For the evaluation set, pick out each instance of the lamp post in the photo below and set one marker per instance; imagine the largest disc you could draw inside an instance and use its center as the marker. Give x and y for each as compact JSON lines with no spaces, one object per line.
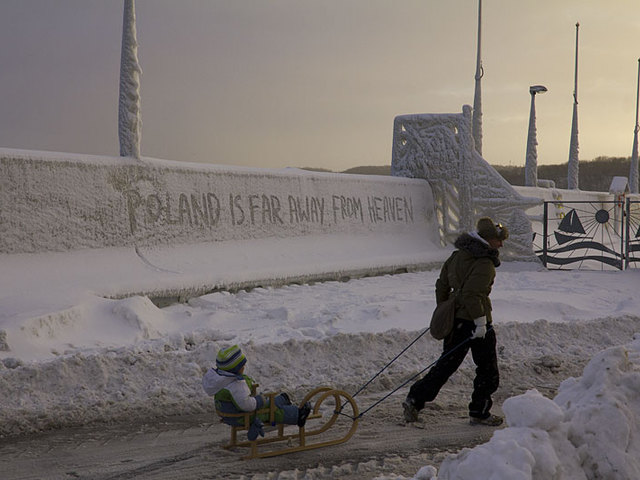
{"x":531,"y":161}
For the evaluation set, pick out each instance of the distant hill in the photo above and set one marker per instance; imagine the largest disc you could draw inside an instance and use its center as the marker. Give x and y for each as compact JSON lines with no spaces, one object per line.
{"x":594,"y":175}
{"x":314,"y":169}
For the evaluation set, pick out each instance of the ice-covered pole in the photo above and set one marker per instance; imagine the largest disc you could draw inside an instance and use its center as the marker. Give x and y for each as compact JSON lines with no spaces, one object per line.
{"x":129,"y":120}
{"x":476,"y":123}
{"x":633,"y":169}
{"x":573,"y":167}
{"x":531,"y":161}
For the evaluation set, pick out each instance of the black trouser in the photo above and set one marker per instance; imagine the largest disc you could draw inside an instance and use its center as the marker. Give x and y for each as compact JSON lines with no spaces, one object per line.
{"x":484,"y":356}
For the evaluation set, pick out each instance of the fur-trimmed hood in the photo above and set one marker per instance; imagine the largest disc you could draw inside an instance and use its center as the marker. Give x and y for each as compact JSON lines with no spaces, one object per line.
{"x":477,"y":247}
{"x":215,"y":380}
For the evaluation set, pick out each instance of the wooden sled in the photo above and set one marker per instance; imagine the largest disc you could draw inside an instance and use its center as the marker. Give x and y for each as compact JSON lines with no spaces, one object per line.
{"x":333,"y":420}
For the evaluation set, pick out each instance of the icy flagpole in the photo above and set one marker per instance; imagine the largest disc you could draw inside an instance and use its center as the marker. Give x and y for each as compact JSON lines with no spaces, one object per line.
{"x":476,"y":121}
{"x":633,"y":172}
{"x":572,"y":175}
{"x":129,"y":120}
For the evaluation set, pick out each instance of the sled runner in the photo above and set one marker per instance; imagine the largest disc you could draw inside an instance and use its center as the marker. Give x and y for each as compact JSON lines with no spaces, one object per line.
{"x":333,"y":420}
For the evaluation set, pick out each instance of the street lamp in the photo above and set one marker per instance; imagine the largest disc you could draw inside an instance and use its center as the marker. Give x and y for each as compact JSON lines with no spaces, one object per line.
{"x":531,"y":162}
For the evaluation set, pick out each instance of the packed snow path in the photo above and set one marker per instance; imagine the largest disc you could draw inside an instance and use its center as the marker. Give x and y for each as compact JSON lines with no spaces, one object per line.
{"x":189,"y":447}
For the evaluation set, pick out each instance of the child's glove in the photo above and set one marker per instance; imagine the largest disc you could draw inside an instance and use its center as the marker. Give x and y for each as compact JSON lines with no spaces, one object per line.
{"x":255,"y":429}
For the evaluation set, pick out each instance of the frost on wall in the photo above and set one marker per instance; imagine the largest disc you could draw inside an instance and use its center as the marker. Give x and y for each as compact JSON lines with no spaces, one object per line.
{"x":439,"y":148}
{"x":129,"y":121}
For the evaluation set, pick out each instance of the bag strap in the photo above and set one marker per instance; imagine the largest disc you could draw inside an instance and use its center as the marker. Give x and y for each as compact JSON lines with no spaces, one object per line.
{"x":455,"y":292}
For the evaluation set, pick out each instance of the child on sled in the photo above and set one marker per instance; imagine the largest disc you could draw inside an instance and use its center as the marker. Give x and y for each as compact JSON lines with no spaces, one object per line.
{"x":232,"y":391}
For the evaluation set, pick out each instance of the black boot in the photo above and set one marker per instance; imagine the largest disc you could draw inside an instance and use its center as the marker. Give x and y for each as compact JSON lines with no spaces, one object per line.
{"x":410,"y":410}
{"x":303,"y":413}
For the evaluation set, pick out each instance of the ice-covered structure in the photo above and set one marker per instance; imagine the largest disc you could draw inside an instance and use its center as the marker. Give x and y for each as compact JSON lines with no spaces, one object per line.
{"x":129,"y":119}
{"x":439,"y":148}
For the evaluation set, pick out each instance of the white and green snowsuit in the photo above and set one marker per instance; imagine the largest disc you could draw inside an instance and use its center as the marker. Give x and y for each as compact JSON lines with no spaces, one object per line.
{"x":232,"y":394}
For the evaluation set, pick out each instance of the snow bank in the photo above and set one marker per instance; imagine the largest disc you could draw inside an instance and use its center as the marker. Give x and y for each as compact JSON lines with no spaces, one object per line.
{"x":296,"y":338}
{"x":590,"y":429}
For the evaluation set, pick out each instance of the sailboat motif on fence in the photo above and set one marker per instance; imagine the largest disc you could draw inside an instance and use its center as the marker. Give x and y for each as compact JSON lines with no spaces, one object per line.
{"x":573,"y":240}
{"x":571,"y":225}
{"x":594,"y":234}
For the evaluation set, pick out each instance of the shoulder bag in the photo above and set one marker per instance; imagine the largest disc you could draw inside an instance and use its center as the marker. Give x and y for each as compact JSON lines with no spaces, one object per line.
{"x":443,"y":316}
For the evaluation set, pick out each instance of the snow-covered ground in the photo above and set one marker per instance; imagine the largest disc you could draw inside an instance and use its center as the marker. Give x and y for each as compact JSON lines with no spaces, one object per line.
{"x":111,"y":360}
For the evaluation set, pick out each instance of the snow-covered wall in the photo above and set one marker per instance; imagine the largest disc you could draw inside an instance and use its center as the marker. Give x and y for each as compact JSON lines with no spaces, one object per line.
{"x":60,"y":202}
{"x":117,"y":226}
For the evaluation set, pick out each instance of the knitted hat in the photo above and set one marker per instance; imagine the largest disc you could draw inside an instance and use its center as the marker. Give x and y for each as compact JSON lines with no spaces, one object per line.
{"x":231,"y":359}
{"x":487,"y":229}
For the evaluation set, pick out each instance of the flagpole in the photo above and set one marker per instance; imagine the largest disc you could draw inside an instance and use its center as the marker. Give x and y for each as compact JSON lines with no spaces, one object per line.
{"x":476,"y":121}
{"x":633,"y":173}
{"x":573,"y":166}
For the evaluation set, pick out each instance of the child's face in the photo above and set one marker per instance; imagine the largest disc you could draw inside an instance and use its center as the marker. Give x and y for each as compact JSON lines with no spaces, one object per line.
{"x":241,"y":371}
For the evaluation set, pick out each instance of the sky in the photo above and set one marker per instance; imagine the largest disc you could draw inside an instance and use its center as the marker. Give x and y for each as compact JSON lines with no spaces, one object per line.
{"x":296,"y":83}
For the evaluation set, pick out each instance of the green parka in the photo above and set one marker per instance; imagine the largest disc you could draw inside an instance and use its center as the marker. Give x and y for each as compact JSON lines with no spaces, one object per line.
{"x":474,"y":263}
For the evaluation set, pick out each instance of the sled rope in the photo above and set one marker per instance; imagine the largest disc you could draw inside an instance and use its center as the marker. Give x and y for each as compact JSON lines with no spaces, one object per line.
{"x":389,"y":364}
{"x":444,"y":355}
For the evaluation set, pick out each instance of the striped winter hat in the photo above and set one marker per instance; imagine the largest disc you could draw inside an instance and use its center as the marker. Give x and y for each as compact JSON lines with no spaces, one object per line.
{"x":230,"y":359}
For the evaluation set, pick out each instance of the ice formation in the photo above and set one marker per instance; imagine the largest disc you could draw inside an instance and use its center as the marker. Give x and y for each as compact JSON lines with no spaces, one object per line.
{"x":129,"y":120}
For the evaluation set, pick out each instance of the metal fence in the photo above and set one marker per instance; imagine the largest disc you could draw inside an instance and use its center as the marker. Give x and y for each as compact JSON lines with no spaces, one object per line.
{"x":589,"y":235}
{"x":632,"y":234}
